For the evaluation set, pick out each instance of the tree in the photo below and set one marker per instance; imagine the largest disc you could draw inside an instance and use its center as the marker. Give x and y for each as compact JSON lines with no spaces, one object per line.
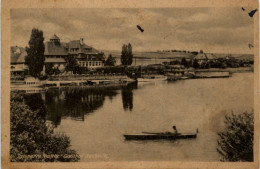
{"x":49,"y":69}
{"x":190,"y":63}
{"x":184,"y":62}
{"x":126,"y":55}
{"x":175,"y":62}
{"x":56,"y":70}
{"x":82,"y":70}
{"x":195,"y":64}
{"x":31,"y":139}
{"x":71,"y":64}
{"x":236,"y":142}
{"x":129,"y":54}
{"x":110,"y":61}
{"x":35,"y":53}
{"x":194,"y":52}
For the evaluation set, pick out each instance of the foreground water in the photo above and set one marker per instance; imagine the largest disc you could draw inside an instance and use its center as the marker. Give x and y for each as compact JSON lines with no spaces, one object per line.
{"x":95,"y":119}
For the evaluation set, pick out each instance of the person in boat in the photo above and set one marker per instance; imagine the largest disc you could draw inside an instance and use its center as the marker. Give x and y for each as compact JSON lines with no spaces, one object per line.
{"x":175,"y":130}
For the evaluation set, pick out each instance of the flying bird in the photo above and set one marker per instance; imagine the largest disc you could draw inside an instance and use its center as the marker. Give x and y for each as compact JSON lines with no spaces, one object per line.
{"x":139,"y":27}
{"x":251,"y":14}
{"x":243,"y":9}
{"x":250,"y":45}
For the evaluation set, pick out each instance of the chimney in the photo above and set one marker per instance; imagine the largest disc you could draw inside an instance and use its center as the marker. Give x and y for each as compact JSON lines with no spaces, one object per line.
{"x":81,"y":41}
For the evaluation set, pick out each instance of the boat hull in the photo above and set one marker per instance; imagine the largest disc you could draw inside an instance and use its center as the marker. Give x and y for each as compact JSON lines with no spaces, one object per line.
{"x":159,"y":137}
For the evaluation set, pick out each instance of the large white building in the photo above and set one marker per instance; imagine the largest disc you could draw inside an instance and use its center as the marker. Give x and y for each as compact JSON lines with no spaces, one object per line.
{"x":56,"y":52}
{"x":86,"y":56}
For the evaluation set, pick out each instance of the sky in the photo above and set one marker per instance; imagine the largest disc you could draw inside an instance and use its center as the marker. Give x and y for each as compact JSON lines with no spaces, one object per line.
{"x":215,"y":30}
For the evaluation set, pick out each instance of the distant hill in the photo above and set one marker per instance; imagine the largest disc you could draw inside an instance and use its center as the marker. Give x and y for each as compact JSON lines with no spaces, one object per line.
{"x":153,"y":55}
{"x":171,"y":55}
{"x":238,"y":56}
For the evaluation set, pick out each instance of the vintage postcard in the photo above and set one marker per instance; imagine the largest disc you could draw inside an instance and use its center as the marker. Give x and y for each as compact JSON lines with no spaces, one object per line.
{"x":130,"y":84}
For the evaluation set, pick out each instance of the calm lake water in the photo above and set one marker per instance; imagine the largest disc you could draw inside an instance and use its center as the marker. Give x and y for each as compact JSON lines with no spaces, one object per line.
{"x":95,"y":119}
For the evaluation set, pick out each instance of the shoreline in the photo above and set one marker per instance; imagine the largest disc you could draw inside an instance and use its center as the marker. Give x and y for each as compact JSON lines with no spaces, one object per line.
{"x":231,"y":70}
{"x":104,"y":80}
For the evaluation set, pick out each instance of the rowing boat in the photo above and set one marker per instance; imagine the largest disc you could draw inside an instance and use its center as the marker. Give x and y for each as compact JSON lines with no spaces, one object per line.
{"x":159,"y":136}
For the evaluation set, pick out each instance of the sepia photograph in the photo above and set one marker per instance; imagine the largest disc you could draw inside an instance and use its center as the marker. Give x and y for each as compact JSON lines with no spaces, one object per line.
{"x":143,"y":84}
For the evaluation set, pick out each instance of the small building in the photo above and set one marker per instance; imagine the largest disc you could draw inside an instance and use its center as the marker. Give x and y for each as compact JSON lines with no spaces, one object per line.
{"x":18,"y":66}
{"x":205,"y":58}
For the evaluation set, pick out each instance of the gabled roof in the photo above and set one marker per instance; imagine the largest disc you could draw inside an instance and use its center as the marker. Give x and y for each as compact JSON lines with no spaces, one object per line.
{"x":200,"y":56}
{"x":18,"y":54}
{"x":55,"y":49}
{"x":55,"y":37}
{"x":205,"y":56}
{"x":211,"y":56}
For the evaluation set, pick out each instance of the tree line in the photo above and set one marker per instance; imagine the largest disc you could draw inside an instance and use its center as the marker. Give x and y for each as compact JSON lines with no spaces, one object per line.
{"x":218,"y":63}
{"x":182,"y":51}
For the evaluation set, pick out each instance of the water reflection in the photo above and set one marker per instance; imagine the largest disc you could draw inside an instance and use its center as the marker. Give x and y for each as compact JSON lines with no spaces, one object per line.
{"x":127,"y":96}
{"x":76,"y":102}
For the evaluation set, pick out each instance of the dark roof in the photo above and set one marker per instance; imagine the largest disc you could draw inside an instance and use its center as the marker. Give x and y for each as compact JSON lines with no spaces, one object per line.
{"x":55,"y":60}
{"x":19,"y":57}
{"x":55,"y":49}
{"x":74,"y":44}
{"x":18,"y":54}
{"x":55,"y":37}
{"x":82,"y":48}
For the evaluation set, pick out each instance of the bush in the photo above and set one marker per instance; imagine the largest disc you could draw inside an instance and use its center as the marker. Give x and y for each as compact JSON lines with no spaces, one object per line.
{"x":32,"y":140}
{"x":184,"y":62}
{"x":236,"y":142}
{"x":110,"y":61}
